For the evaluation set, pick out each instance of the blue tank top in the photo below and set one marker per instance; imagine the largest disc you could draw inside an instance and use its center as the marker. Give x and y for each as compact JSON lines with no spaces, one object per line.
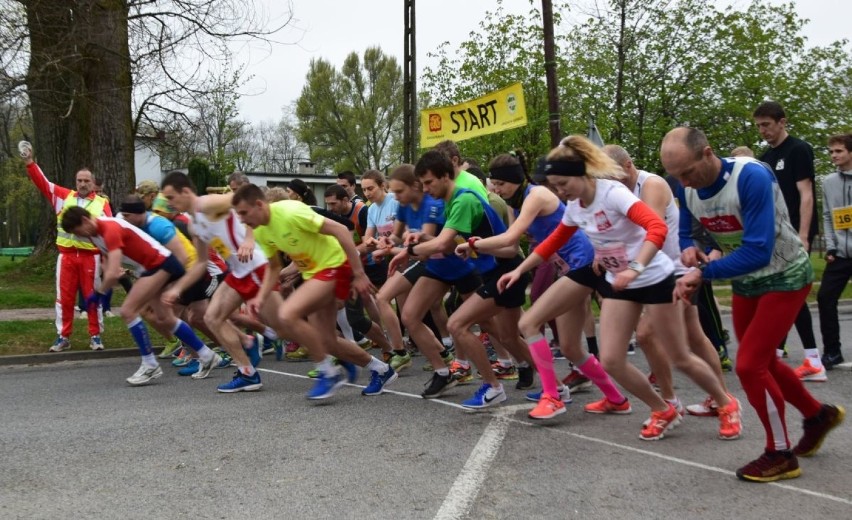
{"x":577,"y":252}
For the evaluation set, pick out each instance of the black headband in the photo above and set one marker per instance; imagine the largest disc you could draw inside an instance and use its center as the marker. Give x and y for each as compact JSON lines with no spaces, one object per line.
{"x":133,"y":207}
{"x":513,"y":173}
{"x":566,"y":168}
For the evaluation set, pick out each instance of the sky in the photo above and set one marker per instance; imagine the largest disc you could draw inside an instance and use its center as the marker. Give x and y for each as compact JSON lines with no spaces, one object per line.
{"x":331,"y":29}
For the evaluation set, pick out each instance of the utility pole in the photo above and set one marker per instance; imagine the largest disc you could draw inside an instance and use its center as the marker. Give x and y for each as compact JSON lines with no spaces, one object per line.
{"x":550,"y":73}
{"x":409,"y":88}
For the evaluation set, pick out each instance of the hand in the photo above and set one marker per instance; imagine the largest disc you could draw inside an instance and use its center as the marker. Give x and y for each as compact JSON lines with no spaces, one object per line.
{"x":692,"y":257}
{"x":597,"y":268}
{"x":94,"y":300}
{"x":254,"y":304}
{"x":370,"y":243}
{"x":170,"y":296}
{"x":384,"y":243}
{"x":245,"y":252}
{"x":623,"y":279}
{"x":687,"y":285}
{"x":715,"y":254}
{"x":412,"y":238}
{"x":463,"y":251}
{"x":509,"y":279}
{"x":805,"y":242}
{"x":399,"y":259}
{"x":26,"y":151}
{"x":362,"y":285}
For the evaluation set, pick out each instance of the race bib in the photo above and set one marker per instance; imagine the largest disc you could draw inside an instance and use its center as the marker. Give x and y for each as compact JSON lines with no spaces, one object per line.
{"x":612,"y":256}
{"x":561,"y":265}
{"x":220,"y":247}
{"x":303,"y":262}
{"x":384,"y":230}
{"x":842,"y":217}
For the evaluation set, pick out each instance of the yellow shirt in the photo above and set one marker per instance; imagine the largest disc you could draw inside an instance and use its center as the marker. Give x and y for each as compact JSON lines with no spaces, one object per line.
{"x":293,"y":229}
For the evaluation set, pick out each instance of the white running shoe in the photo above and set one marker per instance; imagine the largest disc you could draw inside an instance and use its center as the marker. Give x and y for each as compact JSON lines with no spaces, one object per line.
{"x":204,"y":368}
{"x":145,"y":375}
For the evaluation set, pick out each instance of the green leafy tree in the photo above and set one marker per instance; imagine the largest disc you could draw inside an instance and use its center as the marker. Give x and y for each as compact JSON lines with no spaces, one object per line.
{"x":351,"y":118}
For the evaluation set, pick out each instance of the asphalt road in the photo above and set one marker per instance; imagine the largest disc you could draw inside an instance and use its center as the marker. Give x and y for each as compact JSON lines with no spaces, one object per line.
{"x":77,"y":442}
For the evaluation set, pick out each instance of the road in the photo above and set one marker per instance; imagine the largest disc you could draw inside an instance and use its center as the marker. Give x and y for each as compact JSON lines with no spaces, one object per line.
{"x":77,"y":442}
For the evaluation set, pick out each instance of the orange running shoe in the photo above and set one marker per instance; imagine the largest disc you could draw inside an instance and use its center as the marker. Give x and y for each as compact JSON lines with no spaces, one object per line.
{"x":660,"y":423}
{"x":607,"y":406}
{"x":547,"y":408}
{"x":730,"y":420}
{"x":808,"y":372}
{"x":460,"y":374}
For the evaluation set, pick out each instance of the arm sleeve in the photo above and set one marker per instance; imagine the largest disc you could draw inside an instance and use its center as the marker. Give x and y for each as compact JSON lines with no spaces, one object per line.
{"x":560,"y":236}
{"x":684,"y":230}
{"x":55,"y":194}
{"x":655,"y":227}
{"x":756,"y":189}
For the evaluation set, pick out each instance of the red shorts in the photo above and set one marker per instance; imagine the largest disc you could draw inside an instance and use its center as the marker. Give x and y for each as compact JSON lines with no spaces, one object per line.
{"x":248,"y":286}
{"x":342,"y":275}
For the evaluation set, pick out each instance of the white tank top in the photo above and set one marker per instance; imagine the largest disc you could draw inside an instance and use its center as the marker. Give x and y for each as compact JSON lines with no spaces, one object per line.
{"x":225,"y":236}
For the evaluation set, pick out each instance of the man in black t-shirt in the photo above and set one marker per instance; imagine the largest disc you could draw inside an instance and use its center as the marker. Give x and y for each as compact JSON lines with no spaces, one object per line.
{"x":792,"y":160}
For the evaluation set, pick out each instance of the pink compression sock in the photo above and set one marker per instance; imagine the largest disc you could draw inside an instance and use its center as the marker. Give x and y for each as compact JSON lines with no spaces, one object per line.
{"x":543,"y":358}
{"x":592,"y":369}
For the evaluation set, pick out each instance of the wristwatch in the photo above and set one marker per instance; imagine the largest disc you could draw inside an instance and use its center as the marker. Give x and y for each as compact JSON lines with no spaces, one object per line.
{"x":636,"y":266}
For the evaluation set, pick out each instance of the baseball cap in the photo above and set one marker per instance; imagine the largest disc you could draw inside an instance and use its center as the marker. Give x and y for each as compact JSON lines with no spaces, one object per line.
{"x":147,"y":188}
{"x":161,"y":205}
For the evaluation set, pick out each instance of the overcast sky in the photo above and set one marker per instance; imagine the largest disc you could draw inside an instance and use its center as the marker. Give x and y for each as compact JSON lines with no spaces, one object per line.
{"x":331,"y":29}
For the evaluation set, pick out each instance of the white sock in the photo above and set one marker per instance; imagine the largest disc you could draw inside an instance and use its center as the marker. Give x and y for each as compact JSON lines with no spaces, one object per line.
{"x":150,"y":361}
{"x":248,"y":370}
{"x":812,"y":355}
{"x":344,"y":325}
{"x":270,"y":334}
{"x":448,"y":341}
{"x":779,"y":352}
{"x":205,"y":354}
{"x":377,"y":366}
{"x":494,"y":390}
{"x":327,"y":368}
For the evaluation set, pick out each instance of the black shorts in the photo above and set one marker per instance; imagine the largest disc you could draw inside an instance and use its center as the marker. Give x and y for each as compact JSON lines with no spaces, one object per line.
{"x":464,"y":285}
{"x":414,"y":272}
{"x":514,"y":296}
{"x":659,"y":293}
{"x":377,"y":273}
{"x":170,"y":265}
{"x":586,"y":277}
{"x":201,"y":290}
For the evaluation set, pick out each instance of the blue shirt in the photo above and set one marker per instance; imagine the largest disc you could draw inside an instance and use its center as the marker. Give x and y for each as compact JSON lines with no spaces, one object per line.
{"x":431,"y":211}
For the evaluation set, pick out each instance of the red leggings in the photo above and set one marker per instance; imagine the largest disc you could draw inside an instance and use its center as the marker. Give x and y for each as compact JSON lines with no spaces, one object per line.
{"x":760,"y":324}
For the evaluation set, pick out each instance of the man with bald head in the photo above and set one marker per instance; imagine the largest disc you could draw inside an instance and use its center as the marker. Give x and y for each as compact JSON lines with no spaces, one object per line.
{"x":738,"y":201}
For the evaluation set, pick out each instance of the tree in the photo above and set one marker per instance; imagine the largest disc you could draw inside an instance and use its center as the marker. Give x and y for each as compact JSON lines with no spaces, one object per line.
{"x":351,"y":119}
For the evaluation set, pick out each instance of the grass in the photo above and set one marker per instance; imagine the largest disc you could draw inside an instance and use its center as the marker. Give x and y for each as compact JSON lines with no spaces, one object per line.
{"x":36,"y":336}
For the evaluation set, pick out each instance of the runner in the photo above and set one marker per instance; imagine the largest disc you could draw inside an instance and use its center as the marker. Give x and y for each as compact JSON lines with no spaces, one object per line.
{"x":324,"y":253}
{"x":740,"y":204}
{"x":121,"y":242}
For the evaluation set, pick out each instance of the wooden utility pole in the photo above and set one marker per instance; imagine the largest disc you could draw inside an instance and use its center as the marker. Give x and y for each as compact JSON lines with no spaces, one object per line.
{"x":550,"y":73}
{"x":409,"y":88}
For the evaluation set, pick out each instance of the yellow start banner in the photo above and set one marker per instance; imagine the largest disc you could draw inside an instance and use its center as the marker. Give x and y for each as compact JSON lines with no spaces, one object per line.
{"x":494,"y":112}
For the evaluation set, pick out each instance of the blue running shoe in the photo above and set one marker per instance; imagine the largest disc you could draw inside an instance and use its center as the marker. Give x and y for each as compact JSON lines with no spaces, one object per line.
{"x":486,"y":396}
{"x":254,"y":353}
{"x":379,"y":381}
{"x":268,"y":346}
{"x":241,"y":383}
{"x":564,"y":394}
{"x":189,"y":369}
{"x":279,"y":350}
{"x":351,"y":370}
{"x":326,"y":386}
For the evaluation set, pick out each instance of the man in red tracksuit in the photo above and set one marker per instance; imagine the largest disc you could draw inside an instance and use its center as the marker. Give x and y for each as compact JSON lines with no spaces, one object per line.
{"x":78,"y":264}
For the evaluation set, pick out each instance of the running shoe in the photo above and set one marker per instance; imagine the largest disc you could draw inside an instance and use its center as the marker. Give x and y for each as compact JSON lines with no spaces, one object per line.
{"x":60,"y":344}
{"x":351,"y":371}
{"x":547,"y":408}
{"x":526,"y":378}
{"x":300,"y":354}
{"x":279,"y":350}
{"x":660,"y":423}
{"x":145,"y":375}
{"x":678,"y":406}
{"x":631,"y":348}
{"x":509,"y":373}
{"x":170,"y":348}
{"x":326,"y":386}
{"x":184,"y":358}
{"x":95,"y":343}
{"x":730,"y":420}
{"x":830,"y":361}
{"x":365,"y":344}
{"x":564,"y":395}
{"x":189,"y":369}
{"x":556,"y":351}
{"x":438,"y":385}
{"x":808,"y":372}
{"x":816,"y":429}
{"x":291,"y":346}
{"x":785,"y":354}
{"x":225,"y":362}
{"x":448,"y":357}
{"x":254,"y":353}
{"x":771,"y":466}
{"x":485,"y":396}
{"x":400,"y":363}
{"x":577,"y":382}
{"x":460,"y":374}
{"x":708,"y":408}
{"x":109,"y":314}
{"x":726,"y":362}
{"x":269,"y":346}
{"x":313,"y":373}
{"x":378,"y":382}
{"x":205,"y":367}
{"x":606,"y":406}
{"x":241,"y":383}
{"x":387,"y":356}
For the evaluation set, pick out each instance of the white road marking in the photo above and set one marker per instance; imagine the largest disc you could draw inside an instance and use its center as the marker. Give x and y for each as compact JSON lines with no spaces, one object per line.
{"x":470,"y":480}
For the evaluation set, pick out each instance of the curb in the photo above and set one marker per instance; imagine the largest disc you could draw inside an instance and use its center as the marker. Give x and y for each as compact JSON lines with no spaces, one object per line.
{"x":74,"y":355}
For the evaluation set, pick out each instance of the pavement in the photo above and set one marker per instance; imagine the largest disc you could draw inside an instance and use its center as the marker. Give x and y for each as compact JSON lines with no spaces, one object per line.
{"x":77,"y":441}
